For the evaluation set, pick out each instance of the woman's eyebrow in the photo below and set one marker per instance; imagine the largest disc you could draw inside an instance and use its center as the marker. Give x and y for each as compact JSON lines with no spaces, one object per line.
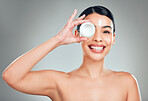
{"x":107,"y":27}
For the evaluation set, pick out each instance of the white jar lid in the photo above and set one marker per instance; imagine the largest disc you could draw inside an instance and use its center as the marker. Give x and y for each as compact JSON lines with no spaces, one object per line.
{"x":87,"y":29}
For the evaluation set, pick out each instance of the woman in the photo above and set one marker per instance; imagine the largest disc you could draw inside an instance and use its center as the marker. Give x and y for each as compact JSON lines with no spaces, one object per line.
{"x":92,"y":81}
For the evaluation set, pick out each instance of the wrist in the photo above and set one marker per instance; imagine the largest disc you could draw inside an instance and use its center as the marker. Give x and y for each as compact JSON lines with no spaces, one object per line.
{"x":57,"y":40}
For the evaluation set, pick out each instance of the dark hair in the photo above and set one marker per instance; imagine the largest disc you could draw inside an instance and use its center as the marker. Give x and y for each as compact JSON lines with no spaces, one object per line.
{"x":100,"y":10}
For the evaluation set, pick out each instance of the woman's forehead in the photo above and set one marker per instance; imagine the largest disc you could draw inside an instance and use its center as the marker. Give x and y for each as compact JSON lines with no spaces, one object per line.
{"x":99,"y":20}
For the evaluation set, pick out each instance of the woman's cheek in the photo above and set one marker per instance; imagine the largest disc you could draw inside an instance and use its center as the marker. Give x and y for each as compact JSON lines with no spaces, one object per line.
{"x":108,"y":40}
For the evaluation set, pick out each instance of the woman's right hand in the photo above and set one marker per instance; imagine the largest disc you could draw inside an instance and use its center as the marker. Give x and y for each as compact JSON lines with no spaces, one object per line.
{"x":65,"y":36}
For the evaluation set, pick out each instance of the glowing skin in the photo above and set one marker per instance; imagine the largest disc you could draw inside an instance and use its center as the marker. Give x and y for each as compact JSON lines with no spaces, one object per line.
{"x":103,"y":36}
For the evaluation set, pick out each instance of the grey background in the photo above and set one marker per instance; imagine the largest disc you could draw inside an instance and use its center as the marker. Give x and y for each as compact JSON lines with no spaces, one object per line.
{"x":25,"y":24}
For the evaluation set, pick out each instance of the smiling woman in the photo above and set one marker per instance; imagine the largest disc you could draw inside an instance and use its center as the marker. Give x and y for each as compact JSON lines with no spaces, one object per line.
{"x":92,"y":81}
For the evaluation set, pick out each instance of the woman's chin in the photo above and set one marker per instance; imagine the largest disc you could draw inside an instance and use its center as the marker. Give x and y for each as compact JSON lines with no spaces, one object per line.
{"x":95,"y":57}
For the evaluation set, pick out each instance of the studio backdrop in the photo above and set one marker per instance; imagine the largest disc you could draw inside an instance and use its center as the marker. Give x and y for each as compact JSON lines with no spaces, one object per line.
{"x":25,"y":24}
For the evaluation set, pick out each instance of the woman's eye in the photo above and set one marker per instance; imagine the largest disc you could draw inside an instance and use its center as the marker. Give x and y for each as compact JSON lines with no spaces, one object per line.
{"x":106,"y":32}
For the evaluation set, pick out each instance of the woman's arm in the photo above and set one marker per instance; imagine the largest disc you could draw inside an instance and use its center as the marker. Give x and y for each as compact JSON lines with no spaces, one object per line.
{"x":18,"y":74}
{"x":23,"y":64}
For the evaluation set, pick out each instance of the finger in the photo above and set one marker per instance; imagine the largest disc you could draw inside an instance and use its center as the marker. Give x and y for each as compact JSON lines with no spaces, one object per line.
{"x":83,"y":38}
{"x":72,"y":17}
{"x":78,"y":22}
{"x":79,"y":39}
{"x":82,"y":17}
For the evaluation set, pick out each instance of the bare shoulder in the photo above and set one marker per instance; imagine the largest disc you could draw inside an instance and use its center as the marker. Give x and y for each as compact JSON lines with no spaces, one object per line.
{"x":129,"y":78}
{"x":123,"y":78}
{"x":126,"y":76}
{"x":129,"y":81}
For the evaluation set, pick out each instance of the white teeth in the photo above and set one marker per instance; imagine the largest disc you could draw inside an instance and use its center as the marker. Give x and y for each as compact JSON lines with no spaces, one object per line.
{"x":97,"y":48}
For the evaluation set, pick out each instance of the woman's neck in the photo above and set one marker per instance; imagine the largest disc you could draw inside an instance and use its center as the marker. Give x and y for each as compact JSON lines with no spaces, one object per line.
{"x":91,"y":68}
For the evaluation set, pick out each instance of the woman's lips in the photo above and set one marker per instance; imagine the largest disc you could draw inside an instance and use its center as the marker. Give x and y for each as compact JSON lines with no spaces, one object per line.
{"x":97,"y":48}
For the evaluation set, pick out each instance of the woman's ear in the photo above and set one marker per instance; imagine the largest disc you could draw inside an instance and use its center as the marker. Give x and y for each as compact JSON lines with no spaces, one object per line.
{"x":113,"y":42}
{"x":76,"y":33}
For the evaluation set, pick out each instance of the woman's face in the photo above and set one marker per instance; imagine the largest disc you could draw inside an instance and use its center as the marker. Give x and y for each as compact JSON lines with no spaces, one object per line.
{"x":98,"y":46}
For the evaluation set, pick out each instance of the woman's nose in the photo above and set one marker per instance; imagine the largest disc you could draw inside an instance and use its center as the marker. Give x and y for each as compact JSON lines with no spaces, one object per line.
{"x":97,"y":37}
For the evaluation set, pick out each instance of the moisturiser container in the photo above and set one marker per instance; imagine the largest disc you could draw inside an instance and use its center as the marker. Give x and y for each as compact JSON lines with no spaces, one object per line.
{"x":87,"y":29}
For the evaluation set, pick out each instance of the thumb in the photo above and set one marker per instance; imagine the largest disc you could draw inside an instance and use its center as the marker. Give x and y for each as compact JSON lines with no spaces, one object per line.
{"x":79,"y":39}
